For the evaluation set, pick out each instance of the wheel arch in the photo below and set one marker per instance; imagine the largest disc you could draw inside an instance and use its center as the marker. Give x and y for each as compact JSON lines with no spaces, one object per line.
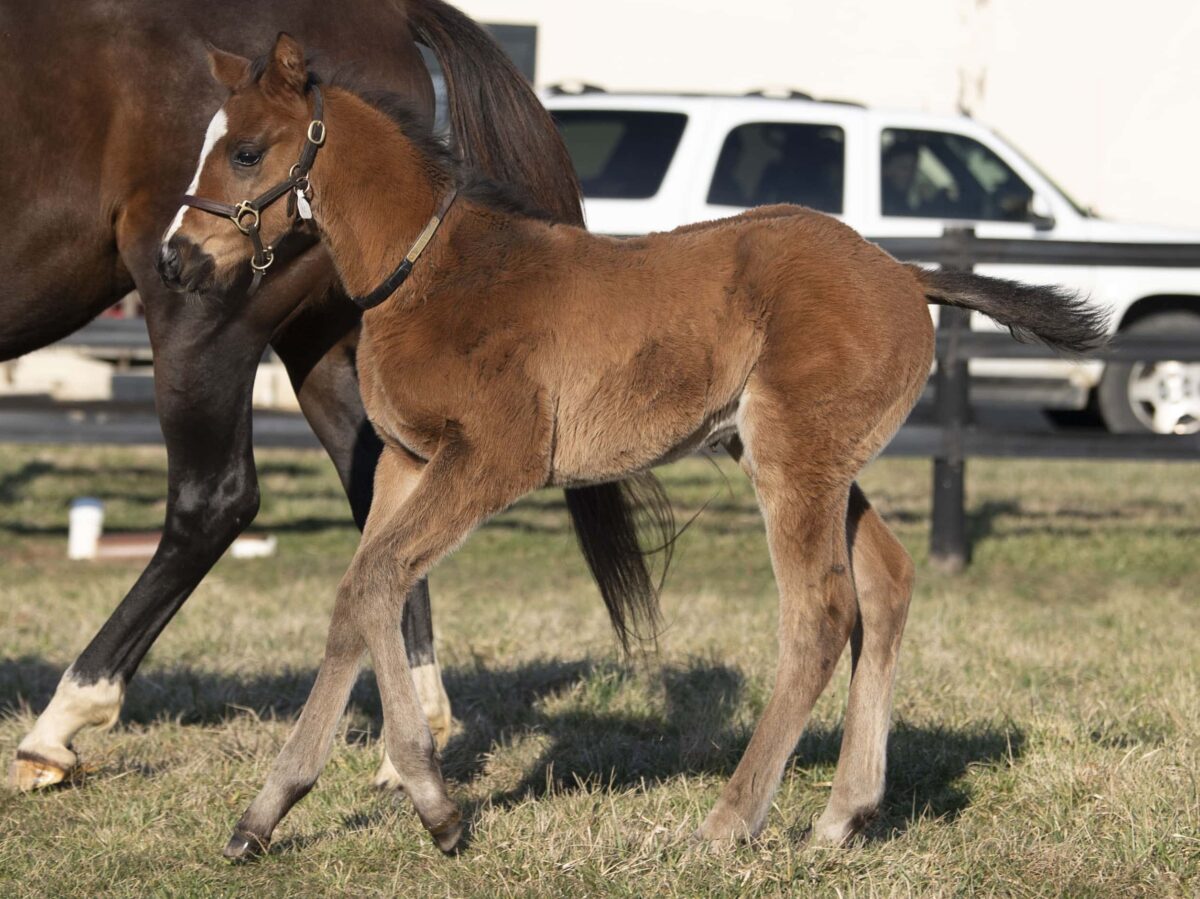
{"x":1158,"y":304}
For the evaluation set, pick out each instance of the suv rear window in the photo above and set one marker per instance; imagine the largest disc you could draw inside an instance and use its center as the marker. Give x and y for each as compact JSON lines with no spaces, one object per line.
{"x":620,"y":154}
{"x":781,"y":162}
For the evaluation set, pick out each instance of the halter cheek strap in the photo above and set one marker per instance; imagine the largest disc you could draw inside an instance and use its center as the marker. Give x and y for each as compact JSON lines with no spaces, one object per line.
{"x":247,"y":215}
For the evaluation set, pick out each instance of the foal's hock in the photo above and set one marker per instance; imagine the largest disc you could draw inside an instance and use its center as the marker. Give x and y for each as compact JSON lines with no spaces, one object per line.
{"x":507,"y":353}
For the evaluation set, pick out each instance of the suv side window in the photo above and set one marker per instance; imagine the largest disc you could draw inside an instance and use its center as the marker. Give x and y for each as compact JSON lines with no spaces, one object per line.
{"x":620,"y":154}
{"x":781,"y":162}
{"x":933,"y":174}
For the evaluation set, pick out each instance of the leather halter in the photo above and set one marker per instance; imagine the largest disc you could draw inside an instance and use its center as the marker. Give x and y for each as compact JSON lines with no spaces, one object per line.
{"x":401,"y":272}
{"x":247,"y":215}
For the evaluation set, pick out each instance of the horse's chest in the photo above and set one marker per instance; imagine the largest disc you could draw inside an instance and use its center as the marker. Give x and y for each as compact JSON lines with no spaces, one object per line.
{"x":402,"y":401}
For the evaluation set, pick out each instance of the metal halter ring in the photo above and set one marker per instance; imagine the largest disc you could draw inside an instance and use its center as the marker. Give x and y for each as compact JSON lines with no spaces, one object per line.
{"x":301,"y":181}
{"x":270,"y":254}
{"x":319,"y":127}
{"x":242,"y":210}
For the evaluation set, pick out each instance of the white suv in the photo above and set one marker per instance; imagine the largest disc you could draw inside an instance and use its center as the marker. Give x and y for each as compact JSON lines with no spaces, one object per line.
{"x":653,"y":162}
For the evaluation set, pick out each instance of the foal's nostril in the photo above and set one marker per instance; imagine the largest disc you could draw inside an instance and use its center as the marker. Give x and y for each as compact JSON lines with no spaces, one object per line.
{"x":169,"y":265}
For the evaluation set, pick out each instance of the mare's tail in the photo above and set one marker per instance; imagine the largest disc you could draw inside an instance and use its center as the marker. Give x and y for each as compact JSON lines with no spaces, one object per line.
{"x":502,"y":130}
{"x":1059,"y":318}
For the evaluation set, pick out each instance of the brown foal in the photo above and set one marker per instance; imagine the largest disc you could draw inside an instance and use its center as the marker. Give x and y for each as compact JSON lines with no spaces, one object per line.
{"x":521,"y":354}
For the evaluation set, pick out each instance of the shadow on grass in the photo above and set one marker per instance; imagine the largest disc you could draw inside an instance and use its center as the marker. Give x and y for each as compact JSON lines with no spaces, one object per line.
{"x":601,"y":726}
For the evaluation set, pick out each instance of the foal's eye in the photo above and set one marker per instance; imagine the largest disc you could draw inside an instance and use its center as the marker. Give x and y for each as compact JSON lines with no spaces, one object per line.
{"x":248,"y":157}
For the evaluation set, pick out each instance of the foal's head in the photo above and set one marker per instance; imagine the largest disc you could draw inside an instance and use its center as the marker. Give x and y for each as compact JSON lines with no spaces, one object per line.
{"x":252,"y":144}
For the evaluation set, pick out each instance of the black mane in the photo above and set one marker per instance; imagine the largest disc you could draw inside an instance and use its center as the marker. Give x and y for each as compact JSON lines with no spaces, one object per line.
{"x":472,"y":185}
{"x":437,"y":151}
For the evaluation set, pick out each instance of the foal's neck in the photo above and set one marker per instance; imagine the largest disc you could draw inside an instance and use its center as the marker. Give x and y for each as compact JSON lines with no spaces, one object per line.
{"x":374,"y":191}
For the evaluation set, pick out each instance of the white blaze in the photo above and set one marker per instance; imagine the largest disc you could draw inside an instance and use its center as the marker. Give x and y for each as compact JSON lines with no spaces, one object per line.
{"x":216,"y":130}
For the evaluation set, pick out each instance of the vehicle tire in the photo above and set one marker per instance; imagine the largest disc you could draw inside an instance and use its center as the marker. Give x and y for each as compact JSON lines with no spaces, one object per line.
{"x":1154,"y":397}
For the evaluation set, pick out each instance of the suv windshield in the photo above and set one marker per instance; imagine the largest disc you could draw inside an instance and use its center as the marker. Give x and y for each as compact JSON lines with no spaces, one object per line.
{"x":935,"y":174}
{"x":620,"y":154}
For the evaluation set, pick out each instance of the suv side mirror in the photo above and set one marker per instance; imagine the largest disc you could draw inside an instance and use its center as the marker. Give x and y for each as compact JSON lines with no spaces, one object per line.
{"x":1041,"y":214}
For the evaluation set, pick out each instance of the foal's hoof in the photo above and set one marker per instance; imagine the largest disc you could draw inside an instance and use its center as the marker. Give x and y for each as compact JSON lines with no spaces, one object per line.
{"x":448,"y":834}
{"x":29,"y":772}
{"x":243,"y":847}
{"x":723,"y":829}
{"x":837,"y":832}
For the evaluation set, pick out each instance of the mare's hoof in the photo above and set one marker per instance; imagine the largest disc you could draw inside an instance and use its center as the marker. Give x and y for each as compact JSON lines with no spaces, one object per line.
{"x":28,"y":773}
{"x":243,"y":847}
{"x":440,"y":728}
{"x":448,"y":834}
{"x":387,"y":778}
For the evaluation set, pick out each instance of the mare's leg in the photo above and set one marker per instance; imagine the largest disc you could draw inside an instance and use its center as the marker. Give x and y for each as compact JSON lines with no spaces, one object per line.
{"x":803,"y":490}
{"x":883,"y":577}
{"x":203,"y":379}
{"x":420,"y":514}
{"x":318,"y":347}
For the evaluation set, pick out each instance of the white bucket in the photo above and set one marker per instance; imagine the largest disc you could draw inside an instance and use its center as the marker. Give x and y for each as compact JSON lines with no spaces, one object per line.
{"x":86,"y":525}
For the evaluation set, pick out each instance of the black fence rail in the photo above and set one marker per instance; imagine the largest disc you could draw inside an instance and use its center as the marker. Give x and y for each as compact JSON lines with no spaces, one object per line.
{"x":955,"y":437}
{"x":950,"y":441}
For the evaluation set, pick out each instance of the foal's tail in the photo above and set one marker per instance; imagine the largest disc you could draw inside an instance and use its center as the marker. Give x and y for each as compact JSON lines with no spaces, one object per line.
{"x":1059,"y":318}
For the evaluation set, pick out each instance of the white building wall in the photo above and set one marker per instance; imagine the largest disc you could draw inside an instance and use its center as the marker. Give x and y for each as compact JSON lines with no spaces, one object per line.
{"x":1104,"y":96}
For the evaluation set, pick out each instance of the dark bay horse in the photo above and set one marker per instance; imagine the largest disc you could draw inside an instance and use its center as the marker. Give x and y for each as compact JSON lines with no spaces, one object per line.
{"x":103,"y":109}
{"x":545,"y":355}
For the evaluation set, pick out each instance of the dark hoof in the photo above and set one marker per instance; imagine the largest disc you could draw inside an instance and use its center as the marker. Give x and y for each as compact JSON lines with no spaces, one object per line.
{"x":244,"y":847}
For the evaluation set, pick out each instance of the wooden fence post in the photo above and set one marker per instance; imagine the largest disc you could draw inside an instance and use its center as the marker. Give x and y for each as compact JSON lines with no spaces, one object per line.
{"x":949,"y":548}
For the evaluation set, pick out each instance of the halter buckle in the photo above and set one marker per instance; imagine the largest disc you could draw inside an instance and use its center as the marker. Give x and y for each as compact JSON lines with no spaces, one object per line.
{"x":316,"y":132}
{"x":243,"y":209}
{"x":269,"y":253}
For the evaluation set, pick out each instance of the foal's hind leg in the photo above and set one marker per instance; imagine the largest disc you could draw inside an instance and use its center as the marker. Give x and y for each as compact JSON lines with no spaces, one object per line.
{"x":883,"y":576}
{"x":804,"y":506}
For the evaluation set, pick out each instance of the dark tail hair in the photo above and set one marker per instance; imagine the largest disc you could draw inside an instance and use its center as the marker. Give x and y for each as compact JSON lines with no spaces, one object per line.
{"x":1059,"y":318}
{"x":501,"y":129}
{"x":606,"y":525}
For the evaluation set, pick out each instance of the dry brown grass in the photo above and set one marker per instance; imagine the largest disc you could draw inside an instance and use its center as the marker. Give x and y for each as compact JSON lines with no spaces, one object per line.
{"x":1048,"y":707}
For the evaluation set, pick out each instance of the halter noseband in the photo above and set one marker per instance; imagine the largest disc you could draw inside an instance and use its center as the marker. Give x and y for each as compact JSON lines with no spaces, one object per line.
{"x":247,"y":215}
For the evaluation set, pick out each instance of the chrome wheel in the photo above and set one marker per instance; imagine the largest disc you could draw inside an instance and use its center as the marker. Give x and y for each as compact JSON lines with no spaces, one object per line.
{"x":1165,"y":396}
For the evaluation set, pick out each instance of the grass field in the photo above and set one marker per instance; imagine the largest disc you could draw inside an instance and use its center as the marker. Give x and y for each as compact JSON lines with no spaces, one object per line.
{"x":1047,"y":737}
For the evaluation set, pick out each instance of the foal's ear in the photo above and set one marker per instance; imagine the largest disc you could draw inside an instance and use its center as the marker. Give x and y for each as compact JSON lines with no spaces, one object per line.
{"x":229,"y":69}
{"x":286,"y":72}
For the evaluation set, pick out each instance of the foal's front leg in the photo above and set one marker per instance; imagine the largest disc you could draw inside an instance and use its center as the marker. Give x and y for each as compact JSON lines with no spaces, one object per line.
{"x":419,"y":515}
{"x":299,"y":763}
